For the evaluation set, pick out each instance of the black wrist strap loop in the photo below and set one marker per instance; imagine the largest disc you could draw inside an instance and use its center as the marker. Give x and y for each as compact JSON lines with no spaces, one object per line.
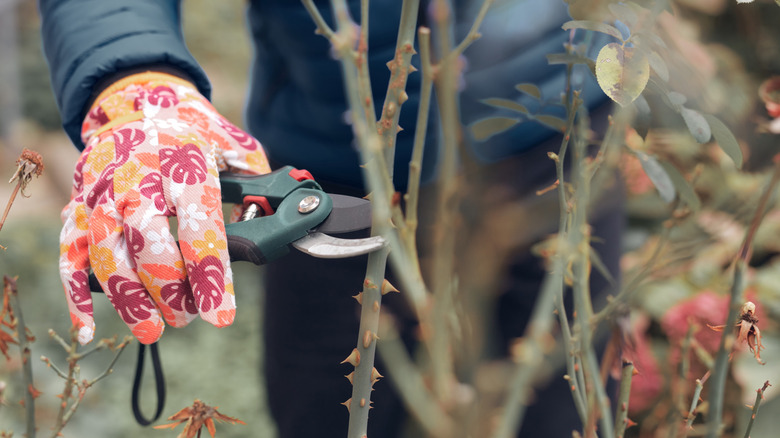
{"x":159,"y":380}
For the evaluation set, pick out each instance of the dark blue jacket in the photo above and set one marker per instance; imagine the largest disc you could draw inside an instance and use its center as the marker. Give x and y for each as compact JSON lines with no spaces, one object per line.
{"x":296,"y":104}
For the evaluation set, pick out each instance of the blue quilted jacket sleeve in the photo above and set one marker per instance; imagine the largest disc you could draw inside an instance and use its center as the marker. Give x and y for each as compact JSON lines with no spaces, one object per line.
{"x":85,"y":40}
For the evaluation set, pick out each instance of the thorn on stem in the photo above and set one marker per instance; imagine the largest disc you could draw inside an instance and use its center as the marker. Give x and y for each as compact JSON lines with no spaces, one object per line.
{"x":375,"y":376}
{"x":368,"y":338}
{"x":388,"y":287}
{"x":353,"y":358}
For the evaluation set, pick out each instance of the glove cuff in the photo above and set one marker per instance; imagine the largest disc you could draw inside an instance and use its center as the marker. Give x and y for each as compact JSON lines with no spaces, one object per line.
{"x":116,"y":104}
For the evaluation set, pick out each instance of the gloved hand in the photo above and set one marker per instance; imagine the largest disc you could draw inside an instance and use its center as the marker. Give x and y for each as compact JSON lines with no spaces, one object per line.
{"x":154,"y":149}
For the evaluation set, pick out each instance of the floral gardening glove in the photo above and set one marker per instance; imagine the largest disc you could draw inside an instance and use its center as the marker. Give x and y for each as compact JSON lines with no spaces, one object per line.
{"x":154,"y":149}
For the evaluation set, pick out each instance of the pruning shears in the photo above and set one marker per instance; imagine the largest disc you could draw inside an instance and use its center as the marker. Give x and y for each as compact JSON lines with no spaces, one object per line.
{"x":282,"y":209}
{"x":288,"y":208}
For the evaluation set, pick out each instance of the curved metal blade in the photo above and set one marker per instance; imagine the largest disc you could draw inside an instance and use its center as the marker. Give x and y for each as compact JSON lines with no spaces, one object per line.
{"x":329,"y":247}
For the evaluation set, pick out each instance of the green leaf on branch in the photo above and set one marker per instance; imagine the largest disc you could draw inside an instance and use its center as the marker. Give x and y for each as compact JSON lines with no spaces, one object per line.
{"x":486,"y":128}
{"x":726,"y":140}
{"x":556,"y":123}
{"x":658,"y":65}
{"x":594,"y":26}
{"x":681,"y":185}
{"x":697,"y":125}
{"x":506,"y":104}
{"x":676,"y":100}
{"x":622,"y":72}
{"x":657,"y":174}
{"x":529,"y":89}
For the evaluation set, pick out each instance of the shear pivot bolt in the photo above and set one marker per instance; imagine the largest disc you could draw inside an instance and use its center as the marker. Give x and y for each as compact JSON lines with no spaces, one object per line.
{"x":308,"y":204}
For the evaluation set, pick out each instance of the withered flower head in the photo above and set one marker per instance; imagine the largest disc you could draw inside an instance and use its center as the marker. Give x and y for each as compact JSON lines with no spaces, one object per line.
{"x":195,"y":417}
{"x":29,"y":163}
{"x":747,"y":330}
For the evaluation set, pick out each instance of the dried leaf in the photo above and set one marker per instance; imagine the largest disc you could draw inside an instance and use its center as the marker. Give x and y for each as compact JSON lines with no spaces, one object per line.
{"x":622,"y":72}
{"x":6,"y":339}
{"x":195,"y":417}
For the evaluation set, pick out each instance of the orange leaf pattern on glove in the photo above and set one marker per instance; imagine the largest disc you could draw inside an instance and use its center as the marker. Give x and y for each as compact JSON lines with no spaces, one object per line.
{"x":154,"y":149}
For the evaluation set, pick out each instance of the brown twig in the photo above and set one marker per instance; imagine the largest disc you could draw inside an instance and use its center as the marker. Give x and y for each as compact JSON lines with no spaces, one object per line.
{"x":71,"y":402}
{"x":10,"y":290}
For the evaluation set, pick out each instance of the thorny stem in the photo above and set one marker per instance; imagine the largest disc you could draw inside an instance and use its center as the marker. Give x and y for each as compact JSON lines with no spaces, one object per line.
{"x":574,"y":371}
{"x":362,"y":381}
{"x":400,"y":67}
{"x":695,"y":402}
{"x":415,"y":165}
{"x":740,"y":265}
{"x":759,"y":397}
{"x":361,"y":62}
{"x":446,"y":203}
{"x":621,"y":420}
{"x":681,"y":380}
{"x":573,"y":368}
{"x":579,"y":239}
{"x":9,"y":287}
{"x":379,"y":181}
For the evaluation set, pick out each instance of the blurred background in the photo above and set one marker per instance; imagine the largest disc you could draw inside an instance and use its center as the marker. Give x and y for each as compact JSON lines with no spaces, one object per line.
{"x":721,"y":53}
{"x":221,"y":367}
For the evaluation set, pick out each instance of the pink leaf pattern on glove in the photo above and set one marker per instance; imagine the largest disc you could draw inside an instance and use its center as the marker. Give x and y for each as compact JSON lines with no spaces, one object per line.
{"x":185,"y":165}
{"x":179,"y":297}
{"x":125,"y":140}
{"x":152,"y":188}
{"x":80,"y":293}
{"x":208,"y":282}
{"x":132,"y":306}
{"x":162,"y":160}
